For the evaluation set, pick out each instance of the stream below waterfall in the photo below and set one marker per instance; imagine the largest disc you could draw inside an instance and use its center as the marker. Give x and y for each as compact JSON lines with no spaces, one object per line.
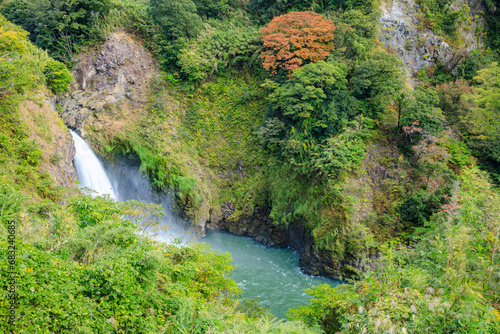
{"x":269,"y":274}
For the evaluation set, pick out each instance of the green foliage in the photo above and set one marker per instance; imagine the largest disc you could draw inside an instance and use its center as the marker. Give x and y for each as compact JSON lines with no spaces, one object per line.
{"x":442,"y":19}
{"x":219,"y":46}
{"x":265,"y":10}
{"x":420,"y":206}
{"x":365,"y":6}
{"x":493,"y":24}
{"x":453,"y":105}
{"x":127,"y":281}
{"x":482,"y":122}
{"x":475,"y":61}
{"x":21,"y":73}
{"x":421,"y":106}
{"x":21,"y":63}
{"x":59,"y":26}
{"x":219,"y":124}
{"x":108,"y":277}
{"x":217,"y":8}
{"x":307,"y":114}
{"x":460,"y":154}
{"x":443,"y":284}
{"x":176,"y":18}
{"x":483,"y":119}
{"x":58,"y":76}
{"x":355,"y":34}
{"x":377,"y":79}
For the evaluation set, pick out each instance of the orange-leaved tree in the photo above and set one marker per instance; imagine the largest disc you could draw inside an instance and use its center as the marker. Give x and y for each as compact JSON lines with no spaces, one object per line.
{"x":296,"y":38}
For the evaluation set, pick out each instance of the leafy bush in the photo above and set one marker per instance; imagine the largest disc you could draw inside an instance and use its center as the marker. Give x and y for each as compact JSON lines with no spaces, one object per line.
{"x":420,"y":206}
{"x":176,"y":18}
{"x":265,"y":10}
{"x":377,"y":79}
{"x":355,"y":34}
{"x":22,"y":69}
{"x":475,"y":61}
{"x":422,"y":106}
{"x":442,"y":19}
{"x":460,"y":154}
{"x":308,"y":113}
{"x":217,"y":8}
{"x":219,"y":46}
{"x":58,"y":77}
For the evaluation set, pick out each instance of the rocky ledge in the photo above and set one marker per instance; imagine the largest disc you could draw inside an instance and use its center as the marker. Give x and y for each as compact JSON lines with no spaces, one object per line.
{"x":117,"y":71}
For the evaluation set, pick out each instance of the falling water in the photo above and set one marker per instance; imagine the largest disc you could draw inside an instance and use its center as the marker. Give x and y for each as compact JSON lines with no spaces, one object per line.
{"x":270,"y":274}
{"x":90,"y":171}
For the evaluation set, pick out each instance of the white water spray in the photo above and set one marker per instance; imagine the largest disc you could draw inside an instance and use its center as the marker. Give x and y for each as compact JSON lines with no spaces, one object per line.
{"x":128,"y":185}
{"x":90,"y":172}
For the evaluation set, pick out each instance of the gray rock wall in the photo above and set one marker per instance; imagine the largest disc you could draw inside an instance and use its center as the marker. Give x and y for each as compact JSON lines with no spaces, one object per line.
{"x":418,"y":46}
{"x":118,"y":71}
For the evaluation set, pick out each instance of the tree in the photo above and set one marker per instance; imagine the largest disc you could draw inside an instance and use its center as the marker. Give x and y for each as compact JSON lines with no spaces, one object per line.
{"x":59,"y":26}
{"x":454,"y":107}
{"x":305,"y":101}
{"x":379,"y":74}
{"x":20,"y":62}
{"x":265,"y":10}
{"x":214,"y":8}
{"x":355,"y":34}
{"x":377,"y":79}
{"x":57,"y":75}
{"x":483,"y":120}
{"x":178,"y":18}
{"x":295,"y":39}
{"x":422,"y":106}
{"x":308,"y":114}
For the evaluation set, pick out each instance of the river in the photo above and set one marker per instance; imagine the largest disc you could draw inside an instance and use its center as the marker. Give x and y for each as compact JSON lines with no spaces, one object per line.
{"x":269,"y":274}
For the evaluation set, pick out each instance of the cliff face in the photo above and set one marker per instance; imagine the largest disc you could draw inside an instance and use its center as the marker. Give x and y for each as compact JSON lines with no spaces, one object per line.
{"x":55,"y":141}
{"x":369,"y":188}
{"x":403,"y":31}
{"x":117,"y":72}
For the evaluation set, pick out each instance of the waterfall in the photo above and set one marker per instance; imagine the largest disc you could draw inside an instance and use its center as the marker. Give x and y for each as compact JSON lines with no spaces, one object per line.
{"x":269,"y":274}
{"x":90,"y":171}
{"x":124,"y":183}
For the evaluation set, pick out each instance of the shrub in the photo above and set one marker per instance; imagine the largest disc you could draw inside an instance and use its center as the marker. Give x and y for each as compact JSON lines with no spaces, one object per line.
{"x":177,"y":18}
{"x":57,"y":76}
{"x":219,"y":46}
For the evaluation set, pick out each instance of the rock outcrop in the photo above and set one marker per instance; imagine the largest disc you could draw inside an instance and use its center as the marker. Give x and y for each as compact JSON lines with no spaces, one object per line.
{"x":117,"y":71}
{"x":403,"y":32}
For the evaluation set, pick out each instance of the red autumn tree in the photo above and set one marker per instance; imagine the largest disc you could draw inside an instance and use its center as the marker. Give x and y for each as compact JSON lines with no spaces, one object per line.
{"x":295,"y":38}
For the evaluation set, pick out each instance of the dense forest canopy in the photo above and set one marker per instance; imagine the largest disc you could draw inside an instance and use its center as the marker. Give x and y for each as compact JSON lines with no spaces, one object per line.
{"x":392,"y":172}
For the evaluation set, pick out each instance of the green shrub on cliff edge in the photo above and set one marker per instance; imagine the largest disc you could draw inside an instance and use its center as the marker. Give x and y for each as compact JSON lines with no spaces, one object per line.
{"x":21,"y":75}
{"x":58,"y":77}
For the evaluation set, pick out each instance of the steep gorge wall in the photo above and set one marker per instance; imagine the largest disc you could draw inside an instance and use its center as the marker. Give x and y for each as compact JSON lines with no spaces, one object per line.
{"x":403,"y":32}
{"x":116,"y":73}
